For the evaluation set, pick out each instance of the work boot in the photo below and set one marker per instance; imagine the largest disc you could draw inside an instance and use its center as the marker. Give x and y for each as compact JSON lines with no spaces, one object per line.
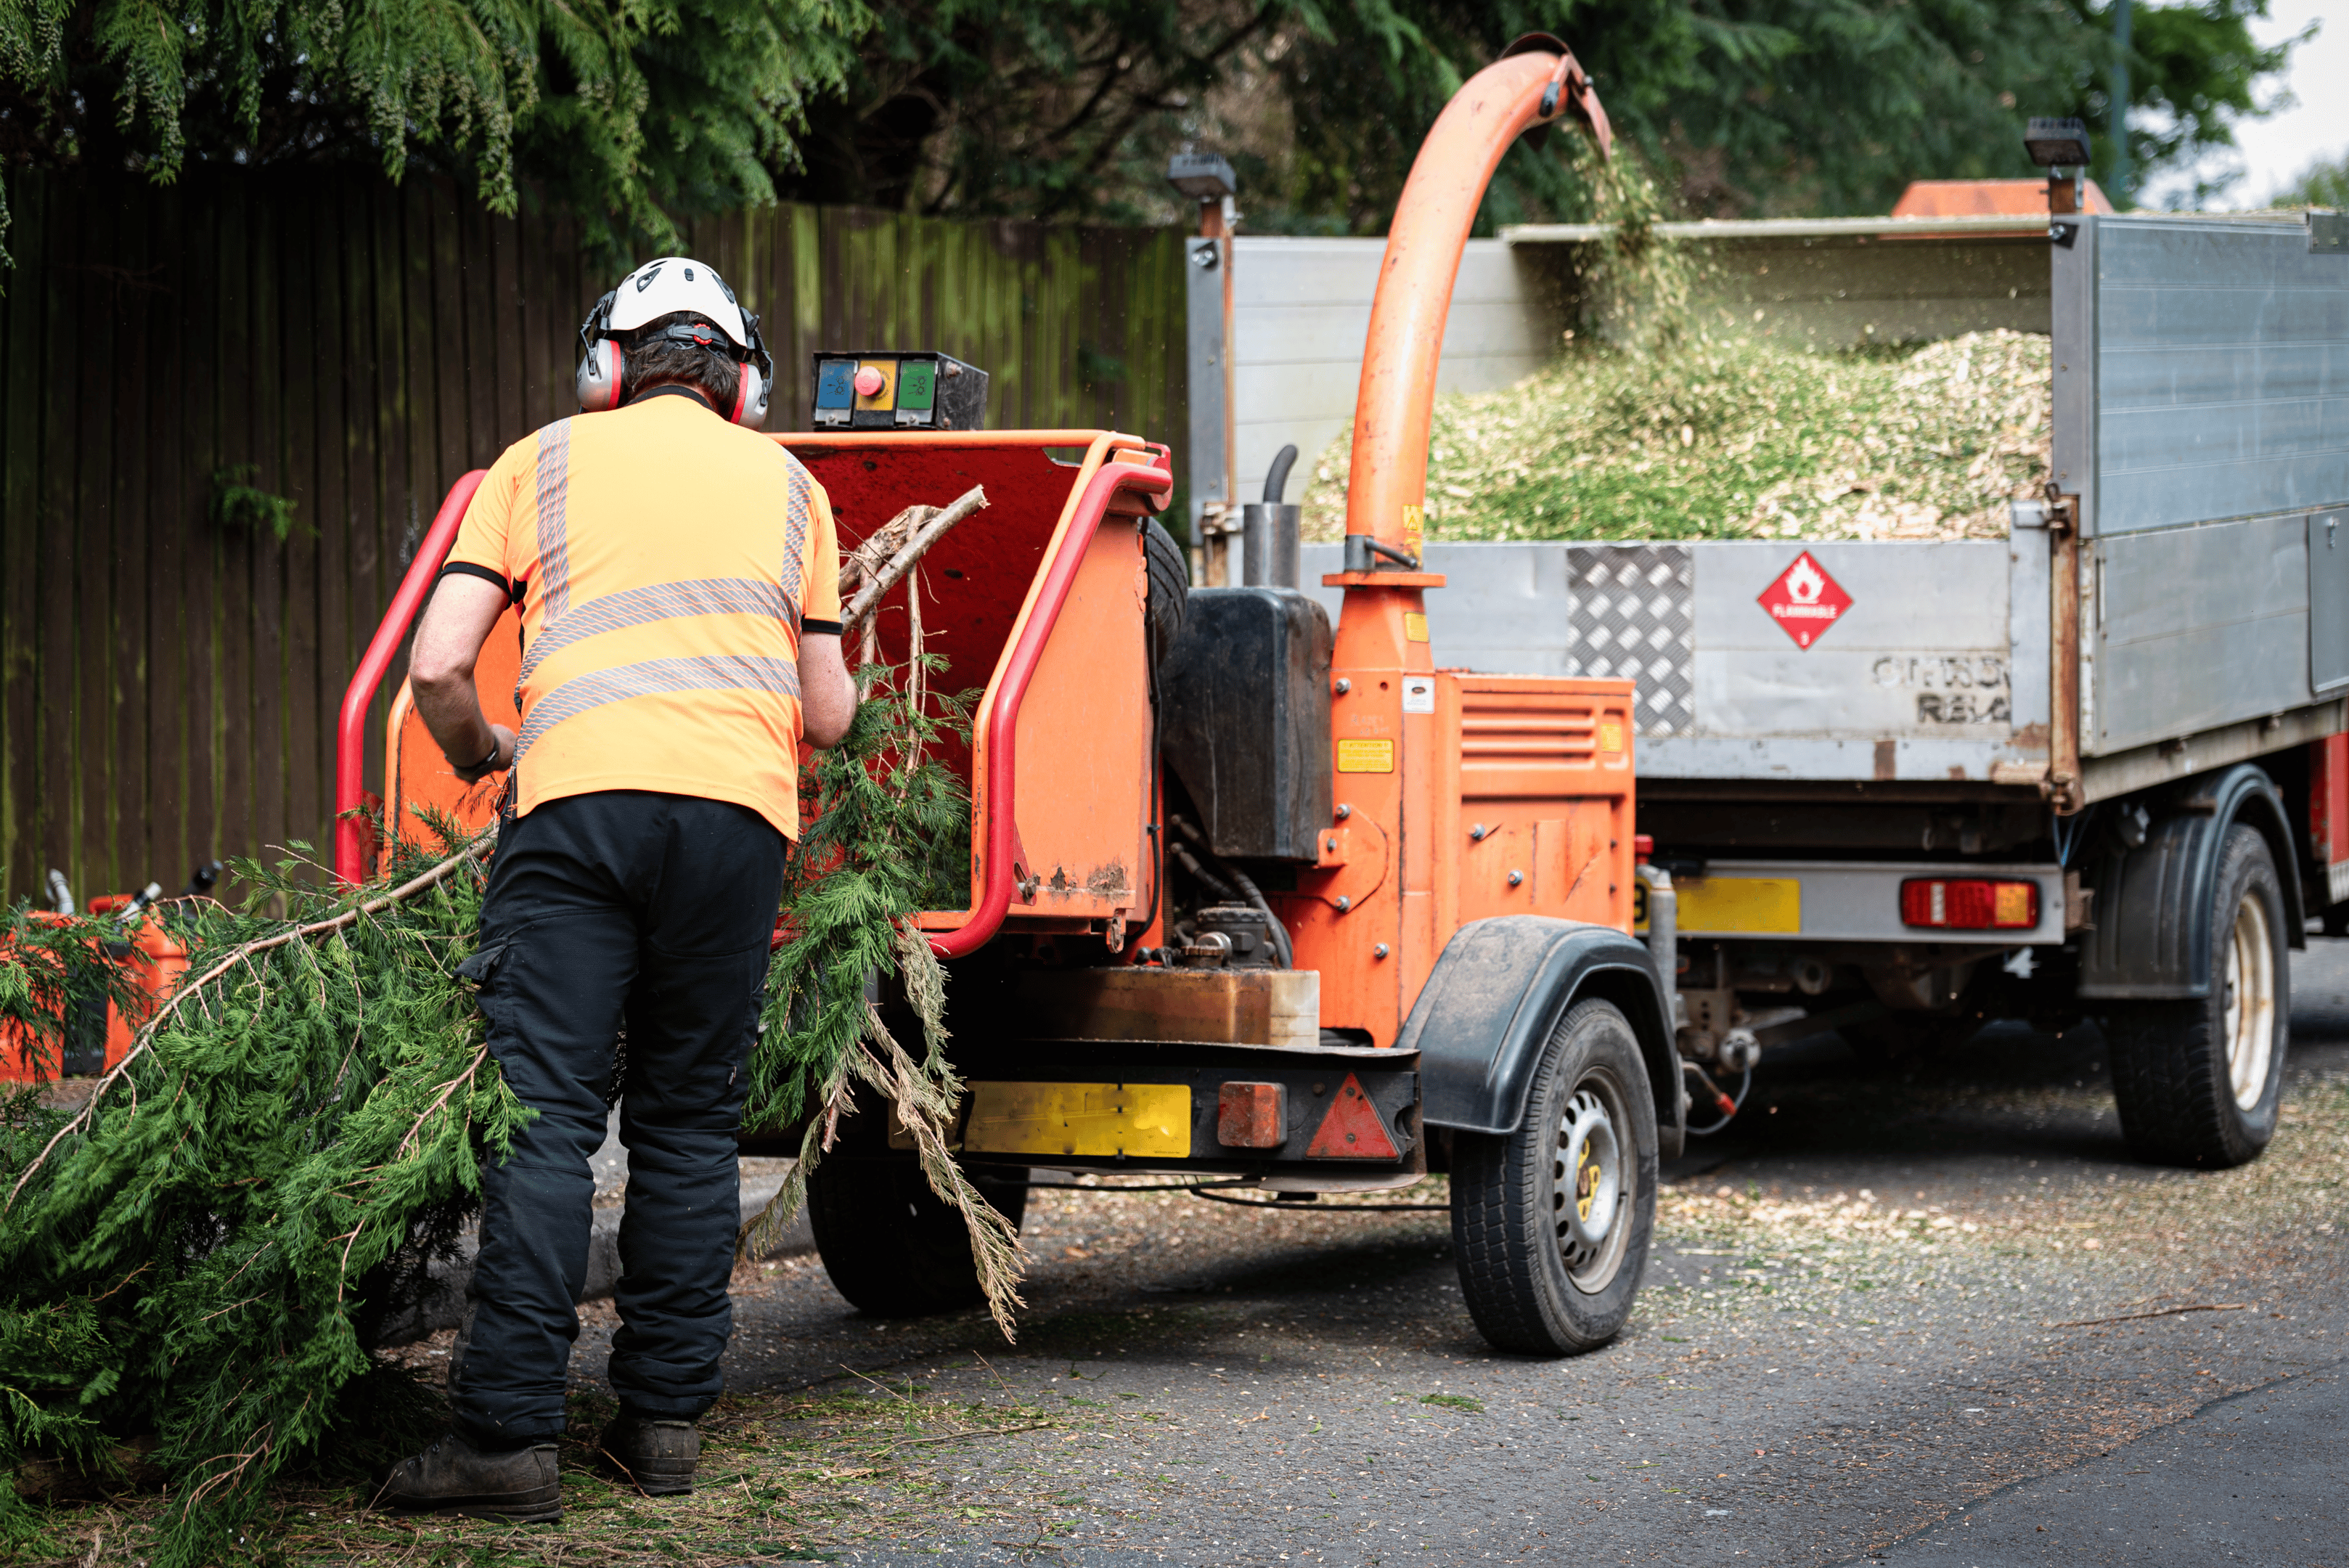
{"x":653,"y":1456}
{"x":453,"y":1477}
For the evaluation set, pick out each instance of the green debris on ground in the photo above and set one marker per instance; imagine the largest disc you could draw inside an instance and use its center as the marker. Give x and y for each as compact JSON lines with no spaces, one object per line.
{"x":1735,"y":439}
{"x":786,"y":1477}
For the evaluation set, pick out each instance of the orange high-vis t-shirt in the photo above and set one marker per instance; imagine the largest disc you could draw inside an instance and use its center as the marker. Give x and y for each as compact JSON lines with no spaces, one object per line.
{"x":666,"y":562}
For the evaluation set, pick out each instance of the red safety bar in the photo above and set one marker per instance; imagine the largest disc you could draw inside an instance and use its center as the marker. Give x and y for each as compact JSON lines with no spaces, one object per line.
{"x":1003,"y":718}
{"x":350,"y":734}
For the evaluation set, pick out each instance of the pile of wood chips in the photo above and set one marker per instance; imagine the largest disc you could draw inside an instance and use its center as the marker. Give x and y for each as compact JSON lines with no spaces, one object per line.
{"x":1738,"y":440}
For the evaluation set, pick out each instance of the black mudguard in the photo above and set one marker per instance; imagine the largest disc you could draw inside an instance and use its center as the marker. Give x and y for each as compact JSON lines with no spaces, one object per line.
{"x":2151,"y":938}
{"x":1499,"y":988}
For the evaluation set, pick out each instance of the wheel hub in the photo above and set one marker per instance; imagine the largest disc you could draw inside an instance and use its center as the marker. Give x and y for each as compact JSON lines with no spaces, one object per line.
{"x":2250,"y":1001}
{"x":1590,"y":1168}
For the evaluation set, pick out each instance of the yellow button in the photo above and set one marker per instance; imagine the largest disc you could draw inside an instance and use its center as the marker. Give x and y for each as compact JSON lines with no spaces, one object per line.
{"x":886,"y":397}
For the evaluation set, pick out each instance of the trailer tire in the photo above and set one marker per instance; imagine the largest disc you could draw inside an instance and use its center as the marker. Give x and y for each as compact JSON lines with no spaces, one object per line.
{"x":2199,"y":1081}
{"x":1170,"y":588}
{"x":892,"y":1246}
{"x":1536,"y":1280}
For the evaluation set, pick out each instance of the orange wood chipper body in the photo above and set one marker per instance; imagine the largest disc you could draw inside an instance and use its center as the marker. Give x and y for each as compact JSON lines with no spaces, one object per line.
{"x":1252,"y":900}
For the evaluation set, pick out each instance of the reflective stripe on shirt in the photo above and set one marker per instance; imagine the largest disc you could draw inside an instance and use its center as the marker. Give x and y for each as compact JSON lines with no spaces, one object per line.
{"x":553,"y":494}
{"x":661,"y":601}
{"x":715,"y":673}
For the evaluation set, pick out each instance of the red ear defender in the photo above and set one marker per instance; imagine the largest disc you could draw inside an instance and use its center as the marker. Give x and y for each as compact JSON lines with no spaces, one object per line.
{"x":750,"y":397}
{"x":599,"y":377}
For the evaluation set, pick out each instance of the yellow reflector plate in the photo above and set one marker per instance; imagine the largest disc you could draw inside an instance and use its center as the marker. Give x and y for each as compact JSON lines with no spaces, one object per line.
{"x":1096,"y":1120}
{"x":1731,"y":906}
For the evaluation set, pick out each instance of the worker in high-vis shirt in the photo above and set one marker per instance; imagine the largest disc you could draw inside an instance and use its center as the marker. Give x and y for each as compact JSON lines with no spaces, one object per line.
{"x":678,"y":583}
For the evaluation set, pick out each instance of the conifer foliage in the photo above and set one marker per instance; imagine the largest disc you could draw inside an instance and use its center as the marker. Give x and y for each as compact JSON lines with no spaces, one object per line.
{"x":200,"y":1253}
{"x":627,"y":110}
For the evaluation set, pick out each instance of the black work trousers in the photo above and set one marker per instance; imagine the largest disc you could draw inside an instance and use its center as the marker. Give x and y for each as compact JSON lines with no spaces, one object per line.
{"x":655,"y":910}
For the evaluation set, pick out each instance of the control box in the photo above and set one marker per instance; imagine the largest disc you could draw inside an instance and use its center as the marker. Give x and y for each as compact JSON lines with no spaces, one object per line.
{"x":893,"y":389}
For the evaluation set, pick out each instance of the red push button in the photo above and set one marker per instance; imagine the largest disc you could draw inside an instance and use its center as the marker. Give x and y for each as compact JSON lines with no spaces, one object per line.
{"x":869,"y":381}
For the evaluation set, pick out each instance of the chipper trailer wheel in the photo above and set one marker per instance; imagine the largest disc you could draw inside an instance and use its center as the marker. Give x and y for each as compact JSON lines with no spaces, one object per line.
{"x":892,"y":1246}
{"x":1552,"y":1222}
{"x":2199,"y":1081}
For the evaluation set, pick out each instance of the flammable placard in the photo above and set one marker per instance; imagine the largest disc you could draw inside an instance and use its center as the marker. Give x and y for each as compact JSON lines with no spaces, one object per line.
{"x":1804,"y":600}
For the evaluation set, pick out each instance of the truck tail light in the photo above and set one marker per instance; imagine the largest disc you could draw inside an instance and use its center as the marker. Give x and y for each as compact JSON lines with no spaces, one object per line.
{"x":1968,"y":904}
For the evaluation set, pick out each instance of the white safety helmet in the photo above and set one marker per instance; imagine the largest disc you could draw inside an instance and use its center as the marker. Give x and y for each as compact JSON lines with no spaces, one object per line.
{"x":668,"y":287}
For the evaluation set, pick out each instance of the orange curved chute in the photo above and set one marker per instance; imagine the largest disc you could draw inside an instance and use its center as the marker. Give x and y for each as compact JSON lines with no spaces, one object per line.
{"x":1387,"y":487}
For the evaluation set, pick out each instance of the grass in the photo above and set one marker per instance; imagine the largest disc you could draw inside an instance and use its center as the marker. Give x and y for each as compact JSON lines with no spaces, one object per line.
{"x":1455,"y":1402}
{"x":1724,"y":440}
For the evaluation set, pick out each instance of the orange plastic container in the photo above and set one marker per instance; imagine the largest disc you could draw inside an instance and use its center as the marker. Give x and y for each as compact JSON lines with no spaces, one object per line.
{"x":156,"y":959}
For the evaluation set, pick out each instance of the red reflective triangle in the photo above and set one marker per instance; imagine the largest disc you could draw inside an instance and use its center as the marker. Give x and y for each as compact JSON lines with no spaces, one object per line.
{"x":1352,"y":1128}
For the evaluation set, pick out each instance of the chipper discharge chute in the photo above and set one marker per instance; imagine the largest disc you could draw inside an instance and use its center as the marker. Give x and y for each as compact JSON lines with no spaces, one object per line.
{"x":1250,"y":902}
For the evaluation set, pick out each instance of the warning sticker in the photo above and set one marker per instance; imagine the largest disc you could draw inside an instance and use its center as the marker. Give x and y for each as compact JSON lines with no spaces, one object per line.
{"x":1366,"y":756}
{"x":1805,"y":601}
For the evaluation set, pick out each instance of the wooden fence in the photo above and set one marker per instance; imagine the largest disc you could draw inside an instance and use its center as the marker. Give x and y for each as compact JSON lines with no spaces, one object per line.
{"x":168,"y":681}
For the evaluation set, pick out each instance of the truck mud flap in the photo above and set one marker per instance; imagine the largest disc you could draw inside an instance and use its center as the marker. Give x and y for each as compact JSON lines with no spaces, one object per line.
{"x":2150,"y":939}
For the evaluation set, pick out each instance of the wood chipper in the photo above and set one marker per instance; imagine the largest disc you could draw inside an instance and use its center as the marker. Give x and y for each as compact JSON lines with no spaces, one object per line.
{"x":1251,"y":902}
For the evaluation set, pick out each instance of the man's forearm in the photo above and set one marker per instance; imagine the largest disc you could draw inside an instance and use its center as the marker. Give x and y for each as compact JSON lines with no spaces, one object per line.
{"x":452,"y":711}
{"x":440,"y":673}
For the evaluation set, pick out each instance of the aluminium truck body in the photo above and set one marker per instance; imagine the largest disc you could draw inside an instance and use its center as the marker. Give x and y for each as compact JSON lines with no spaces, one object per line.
{"x":1824,"y":723}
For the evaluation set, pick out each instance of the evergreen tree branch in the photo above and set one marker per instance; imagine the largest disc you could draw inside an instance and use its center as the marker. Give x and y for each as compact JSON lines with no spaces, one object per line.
{"x":243,"y":956}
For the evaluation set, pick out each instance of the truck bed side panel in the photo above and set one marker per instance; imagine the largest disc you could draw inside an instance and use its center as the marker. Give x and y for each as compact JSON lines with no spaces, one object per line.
{"x":2223,"y":370}
{"x":2200,"y":626}
{"x":2220,"y":431}
{"x":1936,"y":672}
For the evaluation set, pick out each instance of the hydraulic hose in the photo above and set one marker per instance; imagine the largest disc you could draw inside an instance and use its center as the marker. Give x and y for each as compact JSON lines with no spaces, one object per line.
{"x":1724,"y":1103}
{"x":1248,"y":891}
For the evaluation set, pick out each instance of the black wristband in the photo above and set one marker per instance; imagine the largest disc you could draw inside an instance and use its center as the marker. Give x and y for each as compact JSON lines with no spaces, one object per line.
{"x":483,"y":765}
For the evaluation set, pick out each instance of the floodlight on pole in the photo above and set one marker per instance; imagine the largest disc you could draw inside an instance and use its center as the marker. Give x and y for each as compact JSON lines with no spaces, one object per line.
{"x":2060,"y":147}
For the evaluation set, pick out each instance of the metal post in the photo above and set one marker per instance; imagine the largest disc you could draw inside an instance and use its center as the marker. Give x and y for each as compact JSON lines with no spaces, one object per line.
{"x":1664,"y":937}
{"x":1209,"y":398}
{"x":1209,"y":179}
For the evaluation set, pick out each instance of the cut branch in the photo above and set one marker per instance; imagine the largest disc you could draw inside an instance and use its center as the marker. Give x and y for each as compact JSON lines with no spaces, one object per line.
{"x":869,"y":596}
{"x":472,"y":851}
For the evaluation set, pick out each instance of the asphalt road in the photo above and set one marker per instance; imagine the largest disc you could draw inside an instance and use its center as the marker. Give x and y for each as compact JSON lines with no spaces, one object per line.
{"x":1894,"y":1318}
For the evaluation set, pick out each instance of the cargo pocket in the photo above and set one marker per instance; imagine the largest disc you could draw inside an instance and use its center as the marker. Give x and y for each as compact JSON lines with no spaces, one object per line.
{"x":482,"y":968}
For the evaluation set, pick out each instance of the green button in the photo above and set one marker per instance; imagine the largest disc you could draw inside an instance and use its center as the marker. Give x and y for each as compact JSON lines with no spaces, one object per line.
{"x":917,"y":384}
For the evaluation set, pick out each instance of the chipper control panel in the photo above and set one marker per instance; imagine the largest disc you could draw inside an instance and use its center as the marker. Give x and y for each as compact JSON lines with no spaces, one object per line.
{"x":889,"y":389}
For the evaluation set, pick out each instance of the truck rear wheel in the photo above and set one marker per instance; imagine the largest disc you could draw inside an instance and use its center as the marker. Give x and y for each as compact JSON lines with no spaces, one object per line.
{"x":2199,"y":1081}
{"x":1552,"y":1221}
{"x":892,"y":1246}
